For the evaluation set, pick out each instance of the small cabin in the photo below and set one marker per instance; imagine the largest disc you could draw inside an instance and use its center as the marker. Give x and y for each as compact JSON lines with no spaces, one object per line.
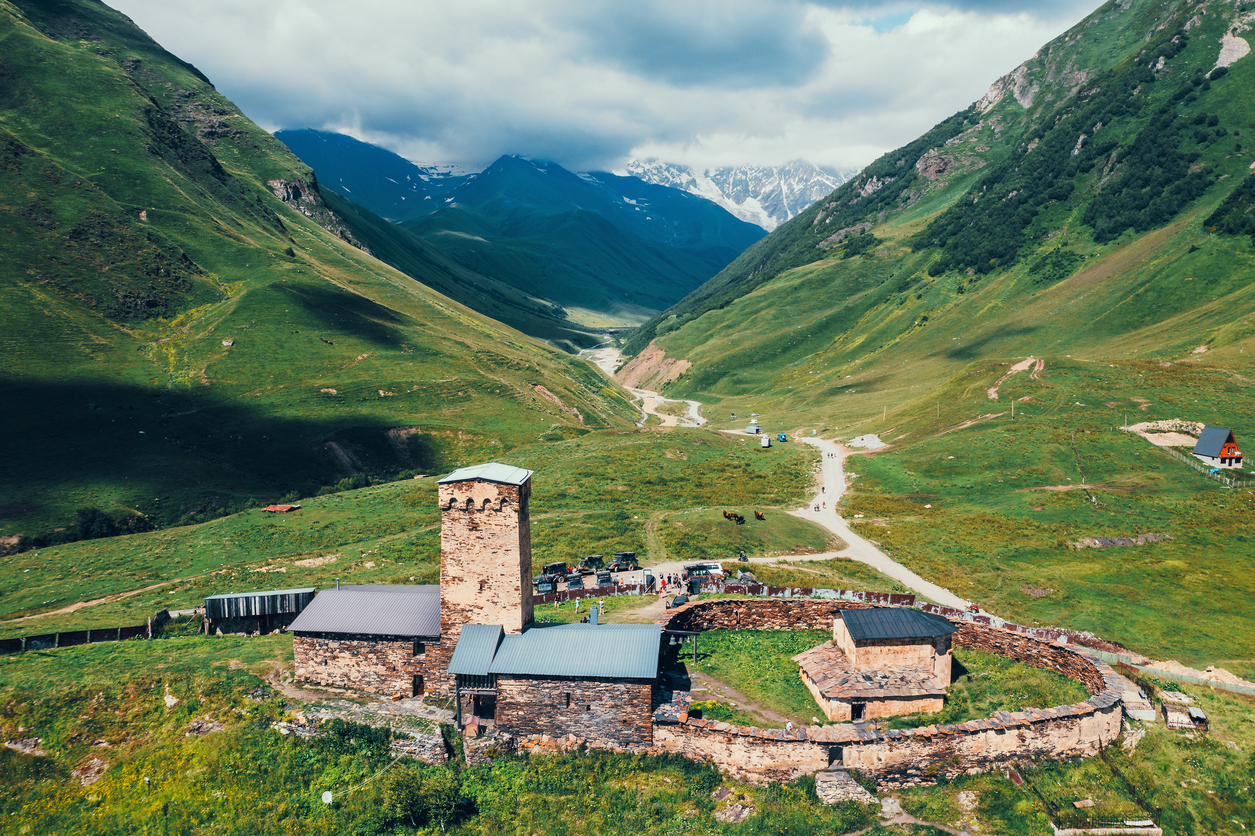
{"x":1217,"y":447}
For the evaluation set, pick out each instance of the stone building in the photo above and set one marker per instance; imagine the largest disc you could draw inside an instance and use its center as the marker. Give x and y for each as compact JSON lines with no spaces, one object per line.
{"x":881,"y":662}
{"x":596,"y":682}
{"x":377,"y":638}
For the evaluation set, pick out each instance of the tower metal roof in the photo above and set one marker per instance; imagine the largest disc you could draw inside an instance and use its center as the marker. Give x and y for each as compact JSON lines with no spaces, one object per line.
{"x":505,"y":474}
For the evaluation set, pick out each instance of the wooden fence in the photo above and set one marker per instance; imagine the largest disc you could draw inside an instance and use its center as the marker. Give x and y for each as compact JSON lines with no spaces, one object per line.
{"x":70,"y":638}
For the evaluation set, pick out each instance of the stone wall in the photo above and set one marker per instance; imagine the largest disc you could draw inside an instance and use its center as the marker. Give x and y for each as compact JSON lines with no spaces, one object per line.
{"x":756,"y":614}
{"x":604,"y":713}
{"x":380,"y":665}
{"x":1031,"y":651}
{"x":895,"y":758}
{"x":767,"y":755}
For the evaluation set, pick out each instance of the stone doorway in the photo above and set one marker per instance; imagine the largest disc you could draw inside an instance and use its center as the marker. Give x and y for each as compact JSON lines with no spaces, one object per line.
{"x":418,"y":685}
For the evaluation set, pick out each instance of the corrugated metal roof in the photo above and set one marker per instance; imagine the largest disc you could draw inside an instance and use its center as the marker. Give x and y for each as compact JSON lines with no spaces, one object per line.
{"x":476,"y":646}
{"x":258,"y":594}
{"x":379,"y":609}
{"x":1210,"y":440}
{"x":490,"y":472}
{"x":894,"y":623}
{"x":605,"y":651}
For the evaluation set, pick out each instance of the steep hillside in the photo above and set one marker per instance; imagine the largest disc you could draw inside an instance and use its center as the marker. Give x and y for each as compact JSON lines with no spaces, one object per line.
{"x":1083,"y":205}
{"x":372,"y":177}
{"x":187,"y":330}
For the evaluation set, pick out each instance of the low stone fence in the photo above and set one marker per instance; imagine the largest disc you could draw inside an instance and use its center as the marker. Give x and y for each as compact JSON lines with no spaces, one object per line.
{"x":892,"y":758}
{"x":755,"y":614}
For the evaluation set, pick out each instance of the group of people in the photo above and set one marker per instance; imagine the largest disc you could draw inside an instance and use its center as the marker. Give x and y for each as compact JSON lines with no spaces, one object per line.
{"x":668,"y":581}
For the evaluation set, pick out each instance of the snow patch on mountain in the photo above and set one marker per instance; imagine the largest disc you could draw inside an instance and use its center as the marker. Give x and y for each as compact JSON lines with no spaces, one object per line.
{"x":763,"y":195}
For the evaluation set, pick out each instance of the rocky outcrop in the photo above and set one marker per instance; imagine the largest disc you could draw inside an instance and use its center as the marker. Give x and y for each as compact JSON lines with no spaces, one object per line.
{"x":302,"y":195}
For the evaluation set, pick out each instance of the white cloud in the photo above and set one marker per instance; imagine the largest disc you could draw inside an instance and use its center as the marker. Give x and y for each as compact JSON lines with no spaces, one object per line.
{"x":588,"y":83}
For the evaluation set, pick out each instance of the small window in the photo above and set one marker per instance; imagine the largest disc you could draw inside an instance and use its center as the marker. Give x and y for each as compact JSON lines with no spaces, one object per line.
{"x":419,"y":648}
{"x":566,"y":700}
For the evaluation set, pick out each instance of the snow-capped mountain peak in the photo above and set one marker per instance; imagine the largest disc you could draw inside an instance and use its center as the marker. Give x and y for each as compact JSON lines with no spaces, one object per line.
{"x":763,"y":195}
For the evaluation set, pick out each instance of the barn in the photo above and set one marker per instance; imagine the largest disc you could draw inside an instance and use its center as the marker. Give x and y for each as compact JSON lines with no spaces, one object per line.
{"x":254,"y":612}
{"x":1217,"y":447}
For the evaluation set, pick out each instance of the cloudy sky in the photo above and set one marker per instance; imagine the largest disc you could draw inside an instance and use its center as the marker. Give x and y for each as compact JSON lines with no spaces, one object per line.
{"x":592,"y":83}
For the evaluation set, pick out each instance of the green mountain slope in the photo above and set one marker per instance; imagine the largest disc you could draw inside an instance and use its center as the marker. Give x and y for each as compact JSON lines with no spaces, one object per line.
{"x":178,"y":340}
{"x":1065,"y":212}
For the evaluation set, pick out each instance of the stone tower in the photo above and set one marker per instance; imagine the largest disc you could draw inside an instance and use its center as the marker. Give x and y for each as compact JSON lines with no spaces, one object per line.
{"x":485,"y":551}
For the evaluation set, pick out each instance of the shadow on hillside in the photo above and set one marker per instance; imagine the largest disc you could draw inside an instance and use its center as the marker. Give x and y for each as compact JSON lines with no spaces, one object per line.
{"x":342,"y":312}
{"x":169,"y":453}
{"x":863,"y":385}
{"x":974,"y":349}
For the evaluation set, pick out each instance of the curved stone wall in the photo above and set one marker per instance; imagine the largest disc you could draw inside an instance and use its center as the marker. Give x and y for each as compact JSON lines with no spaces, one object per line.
{"x":892,"y":758}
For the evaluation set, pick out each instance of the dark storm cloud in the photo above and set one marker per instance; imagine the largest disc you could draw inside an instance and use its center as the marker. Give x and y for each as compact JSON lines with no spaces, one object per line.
{"x":727,"y":45}
{"x":588,"y":83}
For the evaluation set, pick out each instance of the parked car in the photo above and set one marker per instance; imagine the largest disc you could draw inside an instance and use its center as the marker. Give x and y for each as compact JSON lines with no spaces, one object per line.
{"x":624,"y":562}
{"x":550,"y":573}
{"x":590,"y":564}
{"x":575,"y":581}
{"x":604,"y":579}
{"x":678,"y":600}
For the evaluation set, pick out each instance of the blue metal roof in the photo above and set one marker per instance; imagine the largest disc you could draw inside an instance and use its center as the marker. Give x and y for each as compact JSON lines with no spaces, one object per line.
{"x":374,"y":610}
{"x":894,"y":623}
{"x":476,"y":646}
{"x":490,"y":472}
{"x":594,"y":651}
{"x":1210,"y":440}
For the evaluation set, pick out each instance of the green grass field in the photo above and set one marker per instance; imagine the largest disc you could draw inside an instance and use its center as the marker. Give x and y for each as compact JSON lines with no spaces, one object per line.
{"x":598,"y":494}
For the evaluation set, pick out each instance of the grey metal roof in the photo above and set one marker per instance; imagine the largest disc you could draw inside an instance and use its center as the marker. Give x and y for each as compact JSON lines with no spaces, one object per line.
{"x":1210,"y":440}
{"x":490,"y":472}
{"x":476,"y":646}
{"x":894,"y":623}
{"x":258,"y":594}
{"x":604,"y":651}
{"x":379,"y":609}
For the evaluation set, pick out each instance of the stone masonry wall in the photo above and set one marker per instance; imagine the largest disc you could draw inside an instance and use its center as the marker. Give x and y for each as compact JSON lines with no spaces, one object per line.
{"x":756,"y":614}
{"x":485,"y":563}
{"x":380,"y":666}
{"x":772,"y":755}
{"x":841,"y":711}
{"x":614,"y":713}
{"x":1033,"y":652}
{"x":898,"y":758}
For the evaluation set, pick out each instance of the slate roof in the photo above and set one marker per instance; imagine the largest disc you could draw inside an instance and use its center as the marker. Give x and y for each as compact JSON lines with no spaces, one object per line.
{"x":836,"y":678}
{"x":1210,"y":440}
{"x":894,"y":623}
{"x":476,"y":646}
{"x":374,"y":610}
{"x":490,"y":472}
{"x":601,"y":651}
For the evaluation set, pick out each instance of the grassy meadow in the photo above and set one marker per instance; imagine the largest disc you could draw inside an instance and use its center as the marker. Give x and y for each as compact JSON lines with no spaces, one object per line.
{"x":619,"y":490}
